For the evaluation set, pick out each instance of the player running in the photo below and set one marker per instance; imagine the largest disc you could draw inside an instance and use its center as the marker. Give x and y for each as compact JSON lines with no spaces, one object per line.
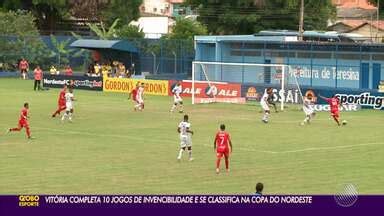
{"x":334,"y":104}
{"x":23,"y":121}
{"x":61,"y":102}
{"x":308,"y":110}
{"x":223,"y":147}
{"x":177,"y":100}
{"x":140,"y":96}
{"x":271,"y":102}
{"x":265,"y":105}
{"x":69,"y":99}
{"x":133,"y":96}
{"x":185,"y":132}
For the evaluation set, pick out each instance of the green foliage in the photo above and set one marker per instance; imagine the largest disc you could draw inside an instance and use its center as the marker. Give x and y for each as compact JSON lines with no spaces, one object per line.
{"x":186,"y":29}
{"x":130,"y":31}
{"x":124,"y":10}
{"x":19,"y":37}
{"x":102,"y":31}
{"x":63,"y":52}
{"x":250,"y":16}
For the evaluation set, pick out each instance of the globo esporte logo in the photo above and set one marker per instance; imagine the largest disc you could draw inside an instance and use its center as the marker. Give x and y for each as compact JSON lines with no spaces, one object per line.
{"x":29,"y":200}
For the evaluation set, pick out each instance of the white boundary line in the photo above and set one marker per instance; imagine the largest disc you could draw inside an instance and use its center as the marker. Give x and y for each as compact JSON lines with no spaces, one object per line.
{"x":310,"y":149}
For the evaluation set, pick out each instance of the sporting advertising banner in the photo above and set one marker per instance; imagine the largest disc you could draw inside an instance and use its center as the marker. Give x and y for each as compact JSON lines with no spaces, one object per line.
{"x":351,"y":100}
{"x":204,"y":90}
{"x":79,"y":82}
{"x":152,"y":87}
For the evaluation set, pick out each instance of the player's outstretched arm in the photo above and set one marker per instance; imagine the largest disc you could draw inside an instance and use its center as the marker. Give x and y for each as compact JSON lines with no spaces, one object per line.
{"x":230,"y":143}
{"x":214,"y":144}
{"x":322,"y":97}
{"x":178,"y":130}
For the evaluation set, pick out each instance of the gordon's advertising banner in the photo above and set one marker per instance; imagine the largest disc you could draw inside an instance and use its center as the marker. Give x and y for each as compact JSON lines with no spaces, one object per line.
{"x":152,"y":87}
{"x":79,"y":82}
{"x":351,"y":100}
{"x":204,"y":90}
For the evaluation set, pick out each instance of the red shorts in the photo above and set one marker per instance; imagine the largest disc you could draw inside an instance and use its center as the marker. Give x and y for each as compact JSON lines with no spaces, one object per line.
{"x":23,"y":123}
{"x":220,"y":154}
{"x":335,"y":113}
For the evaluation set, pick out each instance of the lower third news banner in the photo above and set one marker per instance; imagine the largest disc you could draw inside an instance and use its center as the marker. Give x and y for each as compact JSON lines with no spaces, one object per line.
{"x":38,"y":204}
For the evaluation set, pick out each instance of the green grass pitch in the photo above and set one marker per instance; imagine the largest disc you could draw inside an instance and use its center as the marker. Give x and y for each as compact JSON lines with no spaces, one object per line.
{"x":110,"y":149}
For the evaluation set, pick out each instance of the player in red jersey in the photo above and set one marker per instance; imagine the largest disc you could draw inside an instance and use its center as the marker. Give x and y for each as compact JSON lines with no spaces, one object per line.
{"x":334,"y":104}
{"x":133,"y":96}
{"x":61,"y":102}
{"x":223,"y":147}
{"x":23,"y":121}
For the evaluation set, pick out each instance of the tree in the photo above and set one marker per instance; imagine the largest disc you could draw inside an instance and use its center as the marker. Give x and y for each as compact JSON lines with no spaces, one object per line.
{"x":130,"y":31}
{"x":250,"y":16}
{"x":19,"y":38}
{"x":102,"y":32}
{"x":63,"y":52}
{"x":186,"y":29}
{"x":124,"y":10}
{"x":46,"y":12}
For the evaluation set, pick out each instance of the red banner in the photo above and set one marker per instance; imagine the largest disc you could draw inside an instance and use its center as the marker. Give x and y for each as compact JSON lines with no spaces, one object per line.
{"x":203,"y":90}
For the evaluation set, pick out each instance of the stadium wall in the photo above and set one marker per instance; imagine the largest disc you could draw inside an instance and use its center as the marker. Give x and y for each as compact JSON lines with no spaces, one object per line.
{"x":335,"y":65}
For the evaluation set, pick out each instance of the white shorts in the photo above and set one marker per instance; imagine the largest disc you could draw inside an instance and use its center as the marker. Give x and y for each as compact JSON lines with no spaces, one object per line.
{"x":185,"y":141}
{"x":69,"y":106}
{"x":265,"y":106}
{"x":308,"y":110}
{"x":139,"y":100}
{"x":177,"y":99}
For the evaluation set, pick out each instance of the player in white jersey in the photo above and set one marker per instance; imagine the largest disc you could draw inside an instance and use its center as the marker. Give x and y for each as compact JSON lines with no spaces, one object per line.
{"x":140,"y":96}
{"x":69,"y":98}
{"x":265,"y":105}
{"x":308,"y":110}
{"x":185,"y":132}
{"x":177,"y":100}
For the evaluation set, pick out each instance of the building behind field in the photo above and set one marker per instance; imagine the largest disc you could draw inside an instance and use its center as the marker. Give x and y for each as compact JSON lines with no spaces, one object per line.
{"x":317,"y":61}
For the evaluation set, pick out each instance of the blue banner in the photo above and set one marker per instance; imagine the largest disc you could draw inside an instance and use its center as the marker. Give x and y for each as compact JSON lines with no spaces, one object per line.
{"x":348,"y":97}
{"x":78,"y":82}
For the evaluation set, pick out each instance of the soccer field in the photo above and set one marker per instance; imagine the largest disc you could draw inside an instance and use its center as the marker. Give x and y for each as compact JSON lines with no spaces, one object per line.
{"x":110,"y":149}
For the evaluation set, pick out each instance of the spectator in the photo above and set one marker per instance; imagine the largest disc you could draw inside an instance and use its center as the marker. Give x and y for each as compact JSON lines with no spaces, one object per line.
{"x":115,"y":66}
{"x":259,"y":189}
{"x":23,"y":67}
{"x":105,"y":70}
{"x":68,"y":71}
{"x":97,"y":69}
{"x":53,"y":70}
{"x":133,"y":72}
{"x":121,"y":70}
{"x":38,"y":75}
{"x":91,"y":70}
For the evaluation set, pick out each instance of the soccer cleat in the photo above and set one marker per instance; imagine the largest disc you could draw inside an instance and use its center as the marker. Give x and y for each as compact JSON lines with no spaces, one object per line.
{"x":265,"y":121}
{"x":178,"y":159}
{"x":228,"y":170}
{"x":8,"y":130}
{"x":181,"y":111}
{"x":191,"y":159}
{"x":31,"y":138}
{"x":217,"y":171}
